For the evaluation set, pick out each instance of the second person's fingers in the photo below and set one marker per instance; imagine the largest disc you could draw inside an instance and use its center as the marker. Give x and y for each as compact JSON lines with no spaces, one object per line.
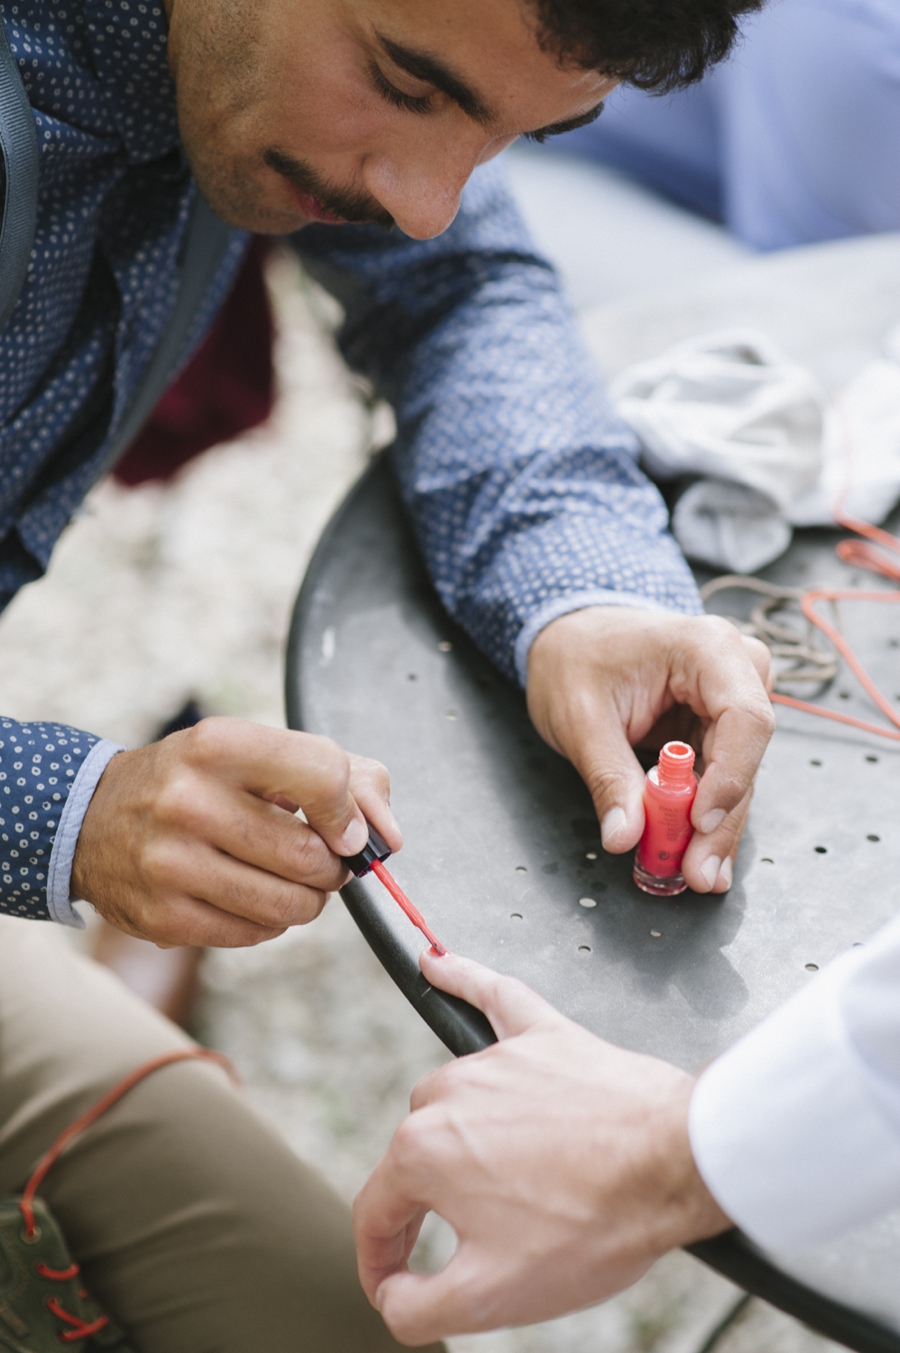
{"x":762,"y":660}
{"x":728,"y":690}
{"x":733,"y":748}
{"x":615,"y":779}
{"x":601,"y":753}
{"x":709,"y":859}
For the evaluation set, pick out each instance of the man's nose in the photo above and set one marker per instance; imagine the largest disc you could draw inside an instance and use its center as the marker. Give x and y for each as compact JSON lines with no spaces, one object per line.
{"x":422,"y":198}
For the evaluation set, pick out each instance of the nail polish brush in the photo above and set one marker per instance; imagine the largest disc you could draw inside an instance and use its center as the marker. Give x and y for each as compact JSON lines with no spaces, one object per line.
{"x":371,"y":859}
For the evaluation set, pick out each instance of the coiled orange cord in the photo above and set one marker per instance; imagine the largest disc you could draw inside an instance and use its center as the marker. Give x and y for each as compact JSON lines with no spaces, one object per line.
{"x":869,"y":554}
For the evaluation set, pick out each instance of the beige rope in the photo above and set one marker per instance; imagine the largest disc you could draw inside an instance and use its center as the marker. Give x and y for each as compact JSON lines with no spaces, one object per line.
{"x":799,"y":656}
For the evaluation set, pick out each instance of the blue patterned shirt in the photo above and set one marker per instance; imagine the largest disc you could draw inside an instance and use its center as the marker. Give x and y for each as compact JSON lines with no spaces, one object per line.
{"x":522,"y":484}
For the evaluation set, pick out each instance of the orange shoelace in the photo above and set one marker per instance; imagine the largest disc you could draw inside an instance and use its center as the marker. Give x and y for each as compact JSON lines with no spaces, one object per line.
{"x":78,"y":1328}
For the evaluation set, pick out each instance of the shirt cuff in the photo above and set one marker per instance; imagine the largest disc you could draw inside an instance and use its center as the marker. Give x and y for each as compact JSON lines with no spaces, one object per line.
{"x":59,"y":874}
{"x":564,"y":605}
{"x":786,"y":1133}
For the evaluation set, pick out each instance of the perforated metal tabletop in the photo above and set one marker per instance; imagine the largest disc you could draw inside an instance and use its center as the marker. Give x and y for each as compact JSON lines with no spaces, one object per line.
{"x":374,"y":662}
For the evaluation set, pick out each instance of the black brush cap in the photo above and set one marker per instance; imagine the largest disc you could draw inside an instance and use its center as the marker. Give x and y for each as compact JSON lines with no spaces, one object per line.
{"x":376,"y":848}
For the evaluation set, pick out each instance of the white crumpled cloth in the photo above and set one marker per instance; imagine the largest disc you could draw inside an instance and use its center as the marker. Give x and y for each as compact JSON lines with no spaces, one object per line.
{"x":771,"y":449}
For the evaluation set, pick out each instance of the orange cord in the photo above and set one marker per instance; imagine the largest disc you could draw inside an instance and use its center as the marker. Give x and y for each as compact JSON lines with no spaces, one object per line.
{"x":26,"y":1202}
{"x":859,"y":554}
{"x":846,"y":594}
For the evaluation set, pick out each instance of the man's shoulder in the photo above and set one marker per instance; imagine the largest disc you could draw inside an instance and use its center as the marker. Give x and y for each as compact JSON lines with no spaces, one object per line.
{"x":96,"y":75}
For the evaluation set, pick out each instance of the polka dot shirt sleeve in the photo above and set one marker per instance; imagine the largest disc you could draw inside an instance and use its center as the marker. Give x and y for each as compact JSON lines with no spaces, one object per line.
{"x":48,"y":773}
{"x":523,"y":483}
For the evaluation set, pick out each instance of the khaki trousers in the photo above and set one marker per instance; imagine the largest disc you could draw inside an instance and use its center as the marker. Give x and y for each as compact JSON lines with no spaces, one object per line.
{"x":195,"y":1225}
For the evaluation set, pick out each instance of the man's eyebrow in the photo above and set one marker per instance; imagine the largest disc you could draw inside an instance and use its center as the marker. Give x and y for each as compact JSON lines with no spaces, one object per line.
{"x":423,"y":66}
{"x":570,"y":125}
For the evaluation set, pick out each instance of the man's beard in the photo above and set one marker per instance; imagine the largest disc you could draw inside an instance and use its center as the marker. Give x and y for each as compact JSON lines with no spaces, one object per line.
{"x":358,"y":207}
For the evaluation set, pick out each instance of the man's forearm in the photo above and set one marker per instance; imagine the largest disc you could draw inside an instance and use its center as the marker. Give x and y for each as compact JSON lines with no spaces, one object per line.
{"x":522,"y":482}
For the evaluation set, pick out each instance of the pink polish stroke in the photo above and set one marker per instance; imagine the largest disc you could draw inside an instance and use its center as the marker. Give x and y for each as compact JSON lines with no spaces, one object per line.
{"x":403,"y":901}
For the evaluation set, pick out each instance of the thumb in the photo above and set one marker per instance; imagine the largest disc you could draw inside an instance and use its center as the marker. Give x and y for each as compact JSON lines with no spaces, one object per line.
{"x":604,"y":760}
{"x":510,"y":1006}
{"x":421,"y":1310}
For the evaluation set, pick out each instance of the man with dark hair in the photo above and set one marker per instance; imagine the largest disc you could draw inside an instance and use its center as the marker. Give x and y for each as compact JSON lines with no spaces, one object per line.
{"x":339,"y":120}
{"x":645,"y":44}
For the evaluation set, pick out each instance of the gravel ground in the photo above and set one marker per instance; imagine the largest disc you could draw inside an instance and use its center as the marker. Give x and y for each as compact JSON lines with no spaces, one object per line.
{"x":166,"y":592}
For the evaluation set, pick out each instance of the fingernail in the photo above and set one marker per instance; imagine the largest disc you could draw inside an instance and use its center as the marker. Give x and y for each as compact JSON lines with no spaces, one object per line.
{"x":612,"y":824}
{"x":354,"y":838}
{"x":725,"y":875}
{"x":710,"y":869}
{"x":711,"y":820}
{"x":394,"y":823}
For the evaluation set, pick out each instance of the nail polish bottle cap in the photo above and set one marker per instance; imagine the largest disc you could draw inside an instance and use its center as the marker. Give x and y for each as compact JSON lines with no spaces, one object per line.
{"x":376,"y":848}
{"x":676,"y":764}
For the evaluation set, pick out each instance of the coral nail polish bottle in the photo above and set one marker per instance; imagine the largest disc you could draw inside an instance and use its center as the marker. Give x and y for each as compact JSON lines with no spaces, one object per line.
{"x":668,"y":795}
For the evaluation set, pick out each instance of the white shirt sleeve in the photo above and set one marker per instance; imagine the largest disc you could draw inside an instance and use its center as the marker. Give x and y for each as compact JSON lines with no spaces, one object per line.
{"x":796,"y":1129}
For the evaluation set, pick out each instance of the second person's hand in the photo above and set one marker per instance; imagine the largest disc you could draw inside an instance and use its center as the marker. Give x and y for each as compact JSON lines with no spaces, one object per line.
{"x":606,"y":679}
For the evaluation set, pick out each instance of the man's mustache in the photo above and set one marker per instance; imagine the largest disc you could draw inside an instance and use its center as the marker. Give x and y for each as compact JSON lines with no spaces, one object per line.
{"x":358,"y":207}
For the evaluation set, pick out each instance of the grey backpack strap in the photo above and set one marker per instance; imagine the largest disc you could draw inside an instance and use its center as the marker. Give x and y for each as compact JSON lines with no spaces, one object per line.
{"x":19,"y":147}
{"x":205,"y":243}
